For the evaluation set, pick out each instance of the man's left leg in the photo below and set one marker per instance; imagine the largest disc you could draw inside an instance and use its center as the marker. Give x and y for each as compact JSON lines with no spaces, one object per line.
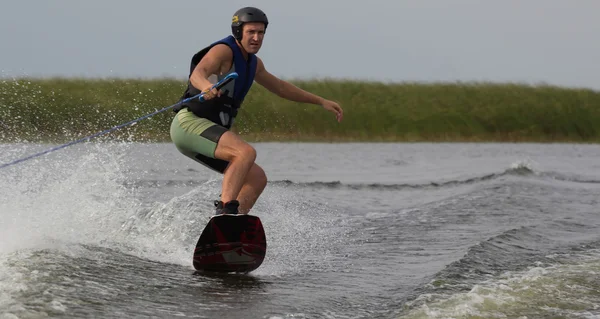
{"x":254,"y":184}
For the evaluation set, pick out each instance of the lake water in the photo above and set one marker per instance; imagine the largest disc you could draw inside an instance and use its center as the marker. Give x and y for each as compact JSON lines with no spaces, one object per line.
{"x":354,"y":231}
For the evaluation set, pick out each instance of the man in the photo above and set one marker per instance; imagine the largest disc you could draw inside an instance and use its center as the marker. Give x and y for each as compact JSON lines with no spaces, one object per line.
{"x":200,"y":130}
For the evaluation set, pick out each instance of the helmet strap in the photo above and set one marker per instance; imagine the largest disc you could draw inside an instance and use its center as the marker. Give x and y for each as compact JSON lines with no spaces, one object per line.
{"x":241,"y":45}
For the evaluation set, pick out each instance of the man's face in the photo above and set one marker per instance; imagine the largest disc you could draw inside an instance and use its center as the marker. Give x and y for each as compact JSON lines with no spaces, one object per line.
{"x":253,"y":34}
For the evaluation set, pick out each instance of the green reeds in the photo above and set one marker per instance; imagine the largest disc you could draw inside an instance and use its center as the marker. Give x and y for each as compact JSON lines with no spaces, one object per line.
{"x":58,"y":110}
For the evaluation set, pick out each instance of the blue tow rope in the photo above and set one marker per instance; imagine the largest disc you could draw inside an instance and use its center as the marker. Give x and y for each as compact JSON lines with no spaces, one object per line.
{"x":228,"y":78}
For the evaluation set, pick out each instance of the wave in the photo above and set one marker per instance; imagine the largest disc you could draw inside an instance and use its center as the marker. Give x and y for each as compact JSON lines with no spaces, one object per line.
{"x":512,"y":268}
{"x":566,"y":288}
{"x":518,"y":169}
{"x":516,"y":249}
{"x":569,"y":178}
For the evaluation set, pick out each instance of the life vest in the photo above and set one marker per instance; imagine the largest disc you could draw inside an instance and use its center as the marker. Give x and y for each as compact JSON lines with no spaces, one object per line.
{"x":222,"y":110}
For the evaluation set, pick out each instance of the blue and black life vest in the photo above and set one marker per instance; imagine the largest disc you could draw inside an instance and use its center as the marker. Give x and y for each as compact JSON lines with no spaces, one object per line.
{"x":222,"y":110}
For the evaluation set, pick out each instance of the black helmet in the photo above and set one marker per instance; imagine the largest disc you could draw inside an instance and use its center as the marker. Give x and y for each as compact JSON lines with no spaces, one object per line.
{"x":246,"y":14}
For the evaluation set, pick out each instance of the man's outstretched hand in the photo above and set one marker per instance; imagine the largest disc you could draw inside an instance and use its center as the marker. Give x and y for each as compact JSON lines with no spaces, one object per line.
{"x":334,"y":108}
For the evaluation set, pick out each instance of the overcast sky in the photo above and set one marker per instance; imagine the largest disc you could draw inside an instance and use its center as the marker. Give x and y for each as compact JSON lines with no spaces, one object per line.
{"x":533,"y":41}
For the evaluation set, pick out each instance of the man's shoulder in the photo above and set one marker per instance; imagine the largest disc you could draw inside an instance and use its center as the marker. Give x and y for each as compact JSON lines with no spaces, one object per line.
{"x":221,"y":49}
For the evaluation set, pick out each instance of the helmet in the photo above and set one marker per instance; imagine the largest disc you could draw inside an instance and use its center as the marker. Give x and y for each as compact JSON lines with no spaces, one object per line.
{"x":246,"y":14}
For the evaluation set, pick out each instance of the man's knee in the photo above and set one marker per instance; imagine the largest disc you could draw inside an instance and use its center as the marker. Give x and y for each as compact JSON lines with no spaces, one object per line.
{"x":231,"y":148}
{"x":247,"y":152}
{"x":244,"y":152}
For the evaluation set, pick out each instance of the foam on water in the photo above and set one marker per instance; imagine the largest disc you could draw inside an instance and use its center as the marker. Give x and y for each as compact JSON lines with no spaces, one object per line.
{"x":564,"y":289}
{"x":65,"y":201}
{"x":49,"y":204}
{"x":77,"y":199}
{"x":82,"y":199}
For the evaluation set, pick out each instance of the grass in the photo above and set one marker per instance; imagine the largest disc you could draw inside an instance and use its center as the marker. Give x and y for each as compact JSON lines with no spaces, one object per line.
{"x":63,"y":109}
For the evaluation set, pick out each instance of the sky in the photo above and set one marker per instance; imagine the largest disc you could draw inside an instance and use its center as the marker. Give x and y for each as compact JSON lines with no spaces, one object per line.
{"x":534,"y":41}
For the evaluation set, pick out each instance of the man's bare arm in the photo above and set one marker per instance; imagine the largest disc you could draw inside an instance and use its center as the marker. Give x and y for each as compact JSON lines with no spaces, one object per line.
{"x":283,"y":88}
{"x":211,"y":63}
{"x":291,"y":92}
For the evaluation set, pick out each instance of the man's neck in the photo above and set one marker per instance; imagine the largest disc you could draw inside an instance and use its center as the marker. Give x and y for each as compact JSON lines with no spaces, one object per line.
{"x":244,"y":53}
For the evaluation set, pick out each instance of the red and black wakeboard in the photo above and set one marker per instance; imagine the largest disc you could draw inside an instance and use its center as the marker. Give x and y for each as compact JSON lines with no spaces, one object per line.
{"x":231,"y":243}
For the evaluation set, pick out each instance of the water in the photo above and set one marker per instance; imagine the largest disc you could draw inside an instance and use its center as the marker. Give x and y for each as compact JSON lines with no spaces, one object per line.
{"x":354,"y":231}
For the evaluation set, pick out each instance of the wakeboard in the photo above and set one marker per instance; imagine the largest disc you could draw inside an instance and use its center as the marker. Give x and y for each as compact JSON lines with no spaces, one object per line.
{"x":231,"y":243}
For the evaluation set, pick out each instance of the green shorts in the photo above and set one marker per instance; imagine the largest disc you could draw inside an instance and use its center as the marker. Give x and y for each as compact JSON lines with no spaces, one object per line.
{"x":197,"y":138}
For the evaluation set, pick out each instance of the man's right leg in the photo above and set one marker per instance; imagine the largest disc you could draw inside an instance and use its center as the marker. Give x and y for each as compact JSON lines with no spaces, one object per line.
{"x":255,"y":183}
{"x":223,"y":151}
{"x":197,"y":139}
{"x":240,"y":156}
